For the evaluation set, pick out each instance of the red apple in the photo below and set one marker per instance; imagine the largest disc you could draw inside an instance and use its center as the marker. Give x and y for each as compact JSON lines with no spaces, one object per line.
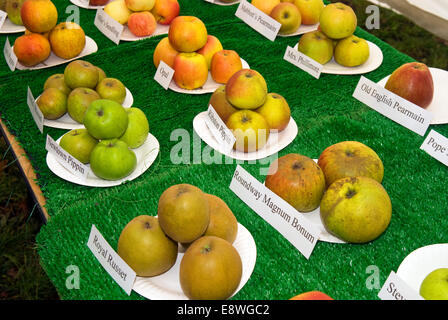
{"x":246,"y":89}
{"x":165,"y":11}
{"x":164,"y":52}
{"x":187,"y":34}
{"x":98,"y":2}
{"x":312,"y":295}
{"x":224,"y":64}
{"x":190,"y":70}
{"x":142,"y":23}
{"x":212,"y":46}
{"x":39,"y":15}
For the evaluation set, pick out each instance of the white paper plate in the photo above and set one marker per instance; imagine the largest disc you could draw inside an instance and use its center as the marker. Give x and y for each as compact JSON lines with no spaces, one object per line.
{"x":85,"y":4}
{"x":167,"y":286}
{"x":66,"y":122}
{"x":374,"y":61}
{"x":301,"y":30}
{"x":127,"y":35}
{"x":219,"y":3}
{"x":146,"y":154}
{"x":419,"y":263}
{"x":9,"y":27}
{"x":209,"y":87}
{"x":283,"y":139}
{"x":54,"y":60}
{"x":439,"y":104}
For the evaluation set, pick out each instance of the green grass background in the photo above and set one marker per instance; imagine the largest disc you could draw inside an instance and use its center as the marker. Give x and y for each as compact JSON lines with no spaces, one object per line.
{"x":325,"y":113}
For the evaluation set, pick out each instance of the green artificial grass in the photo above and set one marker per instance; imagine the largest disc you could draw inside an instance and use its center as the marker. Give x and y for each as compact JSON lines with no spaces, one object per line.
{"x":325,"y":113}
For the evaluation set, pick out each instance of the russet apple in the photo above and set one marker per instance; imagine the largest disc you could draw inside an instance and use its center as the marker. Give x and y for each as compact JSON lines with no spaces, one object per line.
{"x":310,"y":10}
{"x":317,"y":46}
{"x":412,"y":81}
{"x":57,"y":81}
{"x":435,"y":285}
{"x":165,"y":52}
{"x":111,"y":89}
{"x":81,"y":74}
{"x":351,"y":51}
{"x":276,"y":111}
{"x":338,"y":20}
{"x":187,"y":34}
{"x":224,"y":64}
{"x":250,"y":129}
{"x":312,"y":295}
{"x":190,"y":70}
{"x":39,"y":15}
{"x":212,"y":46}
{"x":140,"y":5}
{"x":78,"y":101}
{"x":67,"y":40}
{"x":79,"y":143}
{"x":223,"y":223}
{"x":219,"y":102}
{"x":165,"y":11}
{"x":118,"y":10}
{"x":32,"y":49}
{"x":246,"y":89}
{"x":265,"y":5}
{"x":142,"y":24}
{"x":52,"y":103}
{"x":289,"y":17}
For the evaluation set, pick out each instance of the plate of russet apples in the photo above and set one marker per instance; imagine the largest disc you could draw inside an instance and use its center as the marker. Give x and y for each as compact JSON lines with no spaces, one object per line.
{"x":46,"y":42}
{"x":260,"y":120}
{"x":193,"y":249}
{"x":340,"y":193}
{"x":13,"y":22}
{"x":67,"y":95}
{"x":199,"y":61}
{"x":335,"y":46}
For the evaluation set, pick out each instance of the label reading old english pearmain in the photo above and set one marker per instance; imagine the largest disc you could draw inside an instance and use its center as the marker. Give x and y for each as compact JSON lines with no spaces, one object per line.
{"x":436,"y":146}
{"x":219,"y":130}
{"x":38,"y":117}
{"x":117,"y":268}
{"x":258,"y":20}
{"x":10,"y":56}
{"x":396,"y":289}
{"x":3,"y":16}
{"x":393,"y":106}
{"x":73,"y":165}
{"x":276,"y":211}
{"x":108,"y":26}
{"x":303,"y":62}
{"x":164,"y":74}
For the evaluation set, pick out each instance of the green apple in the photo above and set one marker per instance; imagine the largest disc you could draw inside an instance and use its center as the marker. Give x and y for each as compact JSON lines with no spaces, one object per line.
{"x":338,"y":20}
{"x":317,"y":46}
{"x":112,"y":89}
{"x":52,"y":103}
{"x":78,"y":101}
{"x":351,"y":51}
{"x":81,"y":74}
{"x":435,"y":285}
{"x":57,"y":81}
{"x":106,"y":119}
{"x":112,"y":160}
{"x":137,"y":130}
{"x":79,"y":143}
{"x":13,"y":10}
{"x":288,"y":15}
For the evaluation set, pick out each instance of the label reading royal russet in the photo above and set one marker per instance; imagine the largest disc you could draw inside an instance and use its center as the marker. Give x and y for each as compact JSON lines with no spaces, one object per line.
{"x":117,"y":268}
{"x":303,"y":62}
{"x":393,"y":106}
{"x":3,"y":16}
{"x":436,"y":146}
{"x":396,"y":289}
{"x":108,"y":26}
{"x":219,"y":130}
{"x":164,"y":74}
{"x":276,"y":211}
{"x":35,"y":111}
{"x":258,"y":20}
{"x":10,"y":56}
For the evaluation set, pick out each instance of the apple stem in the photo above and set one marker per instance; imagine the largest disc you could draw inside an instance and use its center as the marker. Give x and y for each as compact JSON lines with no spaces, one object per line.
{"x":206,"y":249}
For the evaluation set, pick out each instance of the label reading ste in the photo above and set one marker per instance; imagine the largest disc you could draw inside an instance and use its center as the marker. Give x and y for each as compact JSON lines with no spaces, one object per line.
{"x":219,"y":130}
{"x":396,"y":289}
{"x":3,"y":16}
{"x":276,"y":211}
{"x":303,"y":62}
{"x":393,"y":106}
{"x":117,"y":268}
{"x":436,"y":146}
{"x":10,"y":56}
{"x":164,"y":74}
{"x":258,"y":20}
{"x":108,"y":26}
{"x":35,"y":111}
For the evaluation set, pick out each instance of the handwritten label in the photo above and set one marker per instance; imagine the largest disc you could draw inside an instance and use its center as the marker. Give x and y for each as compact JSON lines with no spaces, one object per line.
{"x":164,"y":75}
{"x":69,"y":162}
{"x":108,"y":26}
{"x":258,"y":20}
{"x":3,"y":16}
{"x":117,"y":268}
{"x":396,"y":289}
{"x":303,"y":62}
{"x":10,"y":56}
{"x":35,"y":111}
{"x":219,"y":130}
{"x":436,"y":146}
{"x":393,"y":106}
{"x":276,"y":211}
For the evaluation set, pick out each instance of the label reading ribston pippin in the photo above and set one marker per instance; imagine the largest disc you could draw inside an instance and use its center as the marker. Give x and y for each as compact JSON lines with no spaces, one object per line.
{"x":393,"y":106}
{"x":436,"y":146}
{"x":258,"y":20}
{"x":219,"y":130}
{"x":277,"y":212}
{"x":396,"y":289}
{"x":117,"y":268}
{"x":38,"y":117}
{"x":73,"y":165}
{"x":3,"y":16}
{"x":10,"y":56}
{"x":303,"y":62}
{"x":108,"y":26}
{"x":164,"y":74}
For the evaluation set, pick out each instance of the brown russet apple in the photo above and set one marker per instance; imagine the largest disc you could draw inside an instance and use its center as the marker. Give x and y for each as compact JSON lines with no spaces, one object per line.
{"x":223,"y":223}
{"x":250,"y":129}
{"x":187,"y":33}
{"x":298,"y":180}
{"x":39,"y":15}
{"x":221,"y":105}
{"x":246,"y":89}
{"x":142,"y":24}
{"x":190,"y":70}
{"x":164,"y":52}
{"x":412,"y":81}
{"x":67,"y":40}
{"x":32,"y":49}
{"x":312,"y":295}
{"x":165,"y":11}
{"x":224,"y":64}
{"x":212,"y":46}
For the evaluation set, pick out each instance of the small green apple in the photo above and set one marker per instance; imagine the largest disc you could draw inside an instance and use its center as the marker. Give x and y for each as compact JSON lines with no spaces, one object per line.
{"x":435,"y":285}
{"x":112,"y":160}
{"x":52,"y":103}
{"x":317,"y":46}
{"x":112,"y":89}
{"x":137,"y":130}
{"x":351,"y":51}
{"x":57,"y":81}
{"x":78,"y":101}
{"x":79,"y":143}
{"x":81,"y":74}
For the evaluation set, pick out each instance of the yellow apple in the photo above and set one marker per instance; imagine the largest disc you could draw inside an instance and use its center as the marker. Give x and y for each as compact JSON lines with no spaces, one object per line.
{"x":246,"y":89}
{"x":317,"y":46}
{"x":265,"y":5}
{"x":250,"y":130}
{"x":351,"y":51}
{"x":140,"y":5}
{"x":289,"y":17}
{"x":67,"y":40}
{"x":276,"y":111}
{"x":118,"y":11}
{"x":310,"y":10}
{"x":338,"y":21}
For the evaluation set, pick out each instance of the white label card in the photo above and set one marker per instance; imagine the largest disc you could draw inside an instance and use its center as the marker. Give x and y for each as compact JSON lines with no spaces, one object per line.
{"x":73,"y":165}
{"x":108,"y":26}
{"x":219,"y":130}
{"x":117,"y":268}
{"x":396,"y":289}
{"x":276,"y":211}
{"x":436,"y":146}
{"x":164,"y":74}
{"x":10,"y":56}
{"x":3,"y":16}
{"x":258,"y":20}
{"x":393,"y":106}
{"x":303,"y":62}
{"x":35,"y":111}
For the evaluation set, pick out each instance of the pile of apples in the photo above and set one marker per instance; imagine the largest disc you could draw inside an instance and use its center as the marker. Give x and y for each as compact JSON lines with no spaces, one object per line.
{"x":43,"y":35}
{"x":192,"y":52}
{"x":346,"y":184}
{"x":12,"y":8}
{"x":142,"y":16}
{"x":187,"y":218}
{"x":335,"y":38}
{"x":249,"y":111}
